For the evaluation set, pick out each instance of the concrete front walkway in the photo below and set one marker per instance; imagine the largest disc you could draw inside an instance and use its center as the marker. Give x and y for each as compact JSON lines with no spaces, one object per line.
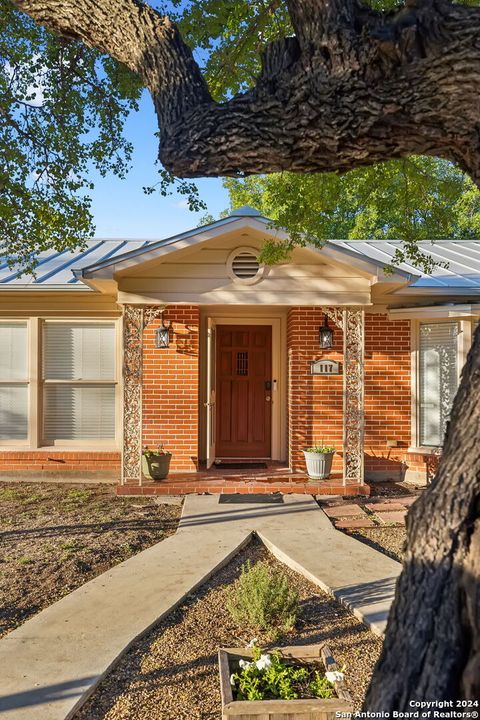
{"x":52,"y":662}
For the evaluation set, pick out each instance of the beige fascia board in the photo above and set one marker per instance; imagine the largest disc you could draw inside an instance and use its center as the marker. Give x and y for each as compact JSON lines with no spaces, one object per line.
{"x":257,"y":297}
{"x":435,"y":311}
{"x":106,"y":285}
{"x":447,"y":291}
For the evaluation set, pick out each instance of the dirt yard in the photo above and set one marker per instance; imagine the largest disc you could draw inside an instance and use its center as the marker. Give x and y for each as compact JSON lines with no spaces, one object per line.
{"x":53,"y":538}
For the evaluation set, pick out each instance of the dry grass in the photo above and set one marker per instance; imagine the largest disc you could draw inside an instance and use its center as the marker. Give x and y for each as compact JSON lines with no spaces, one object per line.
{"x":53,"y":538}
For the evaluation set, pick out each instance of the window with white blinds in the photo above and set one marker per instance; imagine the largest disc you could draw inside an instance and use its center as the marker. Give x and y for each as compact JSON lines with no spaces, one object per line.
{"x":438,"y":379}
{"x":79,"y":381}
{"x":13,"y":381}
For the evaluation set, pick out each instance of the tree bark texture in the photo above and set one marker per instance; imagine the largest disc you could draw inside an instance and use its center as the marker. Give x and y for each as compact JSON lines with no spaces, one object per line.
{"x":353,"y":87}
{"x":432,"y":644}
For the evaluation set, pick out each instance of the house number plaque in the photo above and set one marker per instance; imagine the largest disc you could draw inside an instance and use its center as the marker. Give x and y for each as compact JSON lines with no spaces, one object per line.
{"x":325,"y":367}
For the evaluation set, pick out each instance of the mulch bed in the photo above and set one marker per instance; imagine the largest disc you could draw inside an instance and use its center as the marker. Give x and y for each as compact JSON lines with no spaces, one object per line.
{"x":172,"y":673}
{"x":53,"y":538}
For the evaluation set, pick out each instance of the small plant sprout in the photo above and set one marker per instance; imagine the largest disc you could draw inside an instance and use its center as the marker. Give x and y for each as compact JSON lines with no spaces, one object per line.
{"x":160,"y":450}
{"x":321,"y":449}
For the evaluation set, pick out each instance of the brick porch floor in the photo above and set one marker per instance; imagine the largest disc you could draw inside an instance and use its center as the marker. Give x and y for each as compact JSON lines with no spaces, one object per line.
{"x":275,"y":478}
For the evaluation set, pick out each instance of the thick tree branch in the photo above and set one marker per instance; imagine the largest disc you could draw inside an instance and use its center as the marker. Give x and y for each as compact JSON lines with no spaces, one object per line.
{"x":354,"y":87}
{"x":313,"y":19}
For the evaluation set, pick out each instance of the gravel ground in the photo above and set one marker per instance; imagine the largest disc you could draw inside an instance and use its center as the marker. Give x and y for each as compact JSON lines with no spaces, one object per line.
{"x":54,"y":538}
{"x":394,"y":489}
{"x":172,"y":673}
{"x":389,"y":540}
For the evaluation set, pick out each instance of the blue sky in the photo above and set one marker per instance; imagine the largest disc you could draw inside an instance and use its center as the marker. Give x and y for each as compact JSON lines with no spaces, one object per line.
{"x":120,"y":207}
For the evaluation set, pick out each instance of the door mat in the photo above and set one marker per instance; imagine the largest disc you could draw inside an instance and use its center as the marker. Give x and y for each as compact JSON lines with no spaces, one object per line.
{"x":250,"y":499}
{"x":241,"y":466}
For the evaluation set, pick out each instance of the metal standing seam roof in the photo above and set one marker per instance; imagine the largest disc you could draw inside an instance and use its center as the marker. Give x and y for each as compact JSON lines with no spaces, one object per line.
{"x":462,"y":258}
{"x":55,"y":269}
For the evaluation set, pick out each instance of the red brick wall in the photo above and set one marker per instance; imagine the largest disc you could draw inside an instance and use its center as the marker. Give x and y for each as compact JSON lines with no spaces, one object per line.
{"x":387,"y":394}
{"x":40,"y":461}
{"x":316,"y":402}
{"x":170,"y":387}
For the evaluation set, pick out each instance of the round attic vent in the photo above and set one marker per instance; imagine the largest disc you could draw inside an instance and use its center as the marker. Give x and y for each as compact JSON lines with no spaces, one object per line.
{"x":243,"y":266}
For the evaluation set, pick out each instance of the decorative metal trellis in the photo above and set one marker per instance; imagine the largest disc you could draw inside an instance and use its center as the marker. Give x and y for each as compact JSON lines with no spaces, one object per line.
{"x":352,"y":321}
{"x":135,"y":320}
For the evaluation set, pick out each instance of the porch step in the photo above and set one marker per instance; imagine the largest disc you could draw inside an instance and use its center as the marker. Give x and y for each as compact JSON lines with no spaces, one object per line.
{"x":231,"y":485}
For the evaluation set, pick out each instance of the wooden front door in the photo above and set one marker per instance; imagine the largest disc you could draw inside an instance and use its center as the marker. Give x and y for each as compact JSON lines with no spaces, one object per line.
{"x":244,"y":394}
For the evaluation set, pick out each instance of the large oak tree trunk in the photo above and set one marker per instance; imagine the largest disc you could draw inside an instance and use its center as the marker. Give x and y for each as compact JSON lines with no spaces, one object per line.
{"x":432,"y":644}
{"x":352,"y":87}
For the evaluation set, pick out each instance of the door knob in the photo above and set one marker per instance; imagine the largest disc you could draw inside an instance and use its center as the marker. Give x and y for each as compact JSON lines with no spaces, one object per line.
{"x":268,"y":398}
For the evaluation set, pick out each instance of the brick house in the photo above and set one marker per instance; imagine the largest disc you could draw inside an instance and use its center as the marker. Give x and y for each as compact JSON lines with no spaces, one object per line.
{"x":86,"y":381}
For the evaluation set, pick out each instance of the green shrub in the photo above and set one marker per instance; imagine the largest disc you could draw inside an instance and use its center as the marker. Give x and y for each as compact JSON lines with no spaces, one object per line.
{"x":261,"y":600}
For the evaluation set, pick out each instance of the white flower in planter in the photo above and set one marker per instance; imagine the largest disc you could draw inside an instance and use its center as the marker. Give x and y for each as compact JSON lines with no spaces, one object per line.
{"x":244,"y":664}
{"x":232,"y":679}
{"x":334,"y":676}
{"x":252,"y":643}
{"x":263,"y":662}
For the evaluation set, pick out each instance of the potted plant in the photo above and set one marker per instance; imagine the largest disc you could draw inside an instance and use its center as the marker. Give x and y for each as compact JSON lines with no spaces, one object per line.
{"x":290,"y":682}
{"x":156,"y":463}
{"x":319,"y":460}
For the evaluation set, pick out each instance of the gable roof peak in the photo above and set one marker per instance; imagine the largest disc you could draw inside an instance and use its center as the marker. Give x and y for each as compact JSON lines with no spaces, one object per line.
{"x":245,"y":211}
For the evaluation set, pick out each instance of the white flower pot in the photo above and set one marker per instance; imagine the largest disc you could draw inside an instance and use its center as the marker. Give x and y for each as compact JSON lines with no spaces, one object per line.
{"x":319,"y":465}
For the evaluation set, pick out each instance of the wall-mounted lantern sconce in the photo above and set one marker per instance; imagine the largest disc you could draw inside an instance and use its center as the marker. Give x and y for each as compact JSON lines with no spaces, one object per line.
{"x":162,"y":334}
{"x":325,"y":336}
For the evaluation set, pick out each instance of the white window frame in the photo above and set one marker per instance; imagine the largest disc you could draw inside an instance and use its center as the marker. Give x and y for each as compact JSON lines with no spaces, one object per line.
{"x":36,"y":385}
{"x":464,"y":341}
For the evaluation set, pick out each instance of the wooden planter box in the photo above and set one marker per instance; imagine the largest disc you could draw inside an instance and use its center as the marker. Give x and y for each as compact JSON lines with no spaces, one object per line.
{"x":315,"y":709}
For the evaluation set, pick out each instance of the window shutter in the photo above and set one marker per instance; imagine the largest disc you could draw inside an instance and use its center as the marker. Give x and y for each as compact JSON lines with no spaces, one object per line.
{"x":13,"y":381}
{"x":74,"y":352}
{"x":13,"y":412}
{"x":438,"y":371}
{"x":79,"y":412}
{"x":79,"y":351}
{"x":13,"y":351}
